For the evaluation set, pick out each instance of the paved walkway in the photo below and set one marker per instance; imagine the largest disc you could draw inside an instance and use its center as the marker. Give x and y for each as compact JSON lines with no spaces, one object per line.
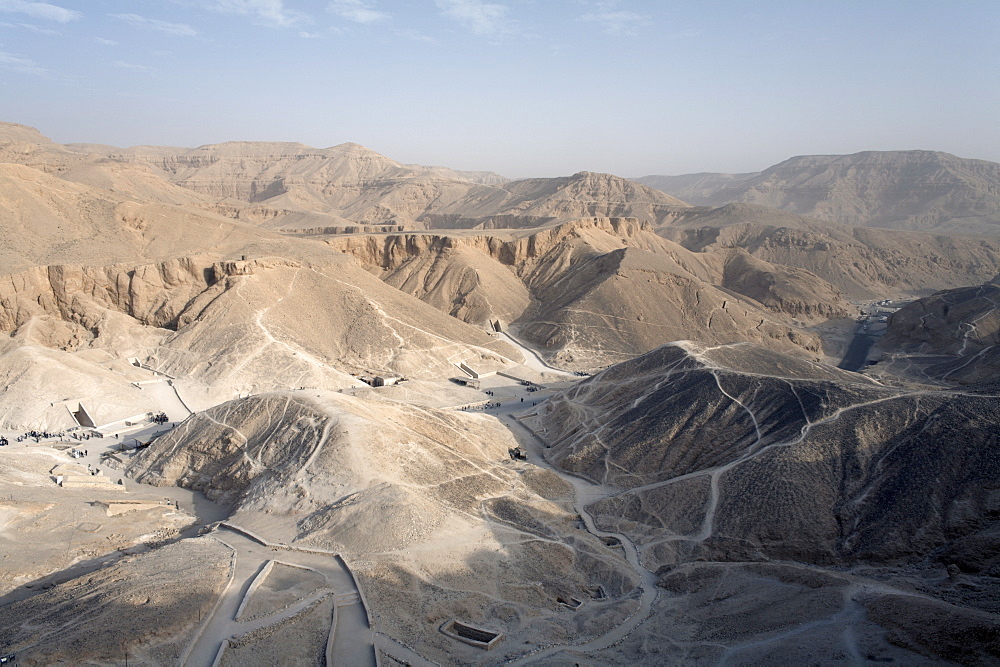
{"x":352,"y":641}
{"x":585,"y":494}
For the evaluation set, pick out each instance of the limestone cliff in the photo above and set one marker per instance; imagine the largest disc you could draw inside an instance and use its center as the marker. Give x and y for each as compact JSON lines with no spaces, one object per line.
{"x":597,"y":290}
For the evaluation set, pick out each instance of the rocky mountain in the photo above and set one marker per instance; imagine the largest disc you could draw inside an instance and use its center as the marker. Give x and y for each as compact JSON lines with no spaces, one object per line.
{"x":952,"y":336}
{"x":289,"y":185}
{"x":600,"y":290}
{"x":920,"y":190}
{"x":711,"y":458}
{"x":862,"y":263}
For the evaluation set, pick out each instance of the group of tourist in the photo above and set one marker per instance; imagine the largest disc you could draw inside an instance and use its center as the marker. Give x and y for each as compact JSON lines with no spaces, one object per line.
{"x":38,"y":436}
{"x":489,"y":405}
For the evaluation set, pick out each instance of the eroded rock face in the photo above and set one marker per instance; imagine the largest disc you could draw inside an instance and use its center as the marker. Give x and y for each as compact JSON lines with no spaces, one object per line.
{"x":153,"y":294}
{"x":600,"y":290}
{"x":220,"y":329}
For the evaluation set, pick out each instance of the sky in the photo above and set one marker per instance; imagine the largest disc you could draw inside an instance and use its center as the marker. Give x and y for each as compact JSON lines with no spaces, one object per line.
{"x":519,"y":87}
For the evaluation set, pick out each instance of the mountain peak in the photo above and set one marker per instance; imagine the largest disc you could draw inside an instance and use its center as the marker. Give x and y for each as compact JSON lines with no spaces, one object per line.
{"x":15,"y":132}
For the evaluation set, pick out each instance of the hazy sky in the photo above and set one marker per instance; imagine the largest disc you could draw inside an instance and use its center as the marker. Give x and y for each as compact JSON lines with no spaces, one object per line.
{"x":521,"y":87}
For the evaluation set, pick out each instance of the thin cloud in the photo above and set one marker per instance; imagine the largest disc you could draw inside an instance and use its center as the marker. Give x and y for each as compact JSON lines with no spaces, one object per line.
{"x":613,"y":19}
{"x":30,"y":28}
{"x":359,"y":11}
{"x":481,"y":18}
{"x":40,"y":10}
{"x":120,"y":64}
{"x":272,"y":13}
{"x":685,"y":34}
{"x":106,"y":42}
{"x":416,"y":36}
{"x":17,"y":63}
{"x":40,"y":30}
{"x":181,"y":29}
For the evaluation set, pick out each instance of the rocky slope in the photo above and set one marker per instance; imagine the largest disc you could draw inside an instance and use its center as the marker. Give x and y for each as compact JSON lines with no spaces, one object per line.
{"x":224,"y":329}
{"x":600,"y":290}
{"x":709,"y":456}
{"x":692,"y":425}
{"x":47,"y":220}
{"x":952,"y":336}
{"x":921,"y":190}
{"x":861,"y":263}
{"x":155,"y":600}
{"x":436,"y":520}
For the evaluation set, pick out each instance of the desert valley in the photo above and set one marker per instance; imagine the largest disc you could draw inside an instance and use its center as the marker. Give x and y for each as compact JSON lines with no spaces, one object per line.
{"x":265,"y":403}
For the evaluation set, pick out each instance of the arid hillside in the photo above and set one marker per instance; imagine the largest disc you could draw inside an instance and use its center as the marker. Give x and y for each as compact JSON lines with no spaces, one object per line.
{"x":952,"y":336}
{"x":223,"y":329}
{"x":435,"y":518}
{"x":600,"y":290}
{"x":295,"y":186}
{"x":920,"y":190}
{"x":862,"y":263}
{"x":366,"y":412}
{"x":713,"y":458}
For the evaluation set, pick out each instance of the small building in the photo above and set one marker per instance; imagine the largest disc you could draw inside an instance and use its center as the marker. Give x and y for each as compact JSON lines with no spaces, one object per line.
{"x":384,"y":381}
{"x":467,"y":382}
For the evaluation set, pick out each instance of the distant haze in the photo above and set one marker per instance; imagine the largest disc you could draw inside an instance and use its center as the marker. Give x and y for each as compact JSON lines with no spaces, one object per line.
{"x":630,"y":87}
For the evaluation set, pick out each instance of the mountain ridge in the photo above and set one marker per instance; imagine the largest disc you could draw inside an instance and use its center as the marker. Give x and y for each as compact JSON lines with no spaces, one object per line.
{"x":917,"y":189}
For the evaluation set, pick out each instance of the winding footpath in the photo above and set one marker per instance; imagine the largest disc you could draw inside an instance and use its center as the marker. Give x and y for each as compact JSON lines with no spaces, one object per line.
{"x":585,"y":494}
